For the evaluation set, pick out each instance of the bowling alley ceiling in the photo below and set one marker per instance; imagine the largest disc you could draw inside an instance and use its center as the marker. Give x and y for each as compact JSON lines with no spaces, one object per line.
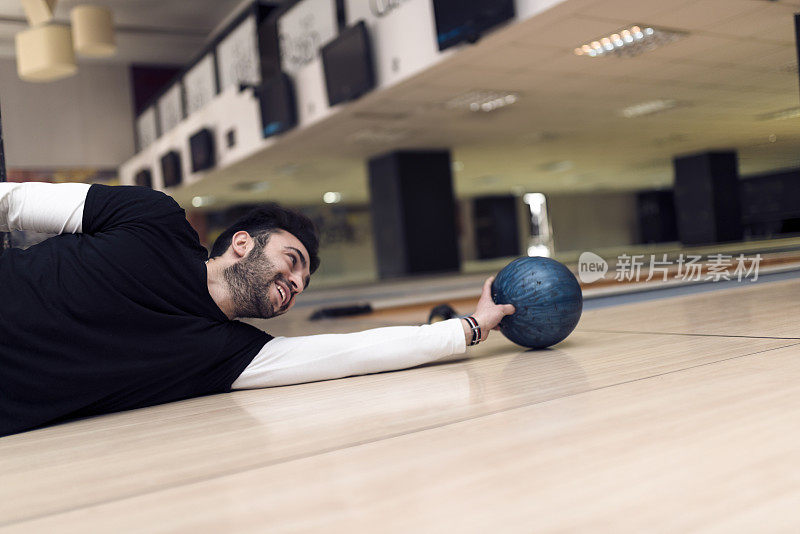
{"x":726,"y":79}
{"x":727,"y":84}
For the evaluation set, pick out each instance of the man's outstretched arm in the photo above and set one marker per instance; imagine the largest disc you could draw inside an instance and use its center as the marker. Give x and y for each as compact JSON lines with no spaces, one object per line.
{"x":295,"y":360}
{"x":42,"y":207}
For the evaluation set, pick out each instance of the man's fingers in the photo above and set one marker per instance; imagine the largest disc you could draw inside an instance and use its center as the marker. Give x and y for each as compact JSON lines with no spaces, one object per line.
{"x":487,"y":284}
{"x":508,"y":309}
{"x":486,"y":293}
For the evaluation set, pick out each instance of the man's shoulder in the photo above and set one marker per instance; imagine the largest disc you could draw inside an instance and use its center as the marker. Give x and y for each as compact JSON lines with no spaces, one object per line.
{"x":132,"y":193}
{"x":246,"y":334}
{"x":108,"y":206}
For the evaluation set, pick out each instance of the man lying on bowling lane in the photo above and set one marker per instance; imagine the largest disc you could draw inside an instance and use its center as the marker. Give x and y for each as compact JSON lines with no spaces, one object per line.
{"x":124,"y":309}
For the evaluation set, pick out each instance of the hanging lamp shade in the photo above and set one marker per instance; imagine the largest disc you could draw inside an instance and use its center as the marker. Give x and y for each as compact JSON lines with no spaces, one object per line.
{"x":44,"y":53}
{"x":93,"y":31}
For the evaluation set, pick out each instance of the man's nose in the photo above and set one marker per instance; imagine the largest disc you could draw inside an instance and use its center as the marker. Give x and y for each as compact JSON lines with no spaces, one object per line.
{"x":296,"y":282}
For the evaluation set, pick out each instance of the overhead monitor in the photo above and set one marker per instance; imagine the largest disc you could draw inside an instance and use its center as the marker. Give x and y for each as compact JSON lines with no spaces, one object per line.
{"x":348,"y":66}
{"x":171,"y":168}
{"x":144,"y":178}
{"x":460,"y":21}
{"x":278,"y":107}
{"x":201,"y":149}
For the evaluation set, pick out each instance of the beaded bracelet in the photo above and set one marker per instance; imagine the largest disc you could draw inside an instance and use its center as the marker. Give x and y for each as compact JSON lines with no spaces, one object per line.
{"x":476,"y":330}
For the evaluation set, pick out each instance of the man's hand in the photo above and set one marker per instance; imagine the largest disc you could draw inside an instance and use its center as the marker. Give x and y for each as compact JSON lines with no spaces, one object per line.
{"x":488,"y":314}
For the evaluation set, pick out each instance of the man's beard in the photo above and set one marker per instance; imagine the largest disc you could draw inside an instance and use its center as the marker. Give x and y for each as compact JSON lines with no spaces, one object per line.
{"x":249,"y":282}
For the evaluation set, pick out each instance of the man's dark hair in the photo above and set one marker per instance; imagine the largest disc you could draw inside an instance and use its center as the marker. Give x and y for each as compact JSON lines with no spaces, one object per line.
{"x":264,"y":220}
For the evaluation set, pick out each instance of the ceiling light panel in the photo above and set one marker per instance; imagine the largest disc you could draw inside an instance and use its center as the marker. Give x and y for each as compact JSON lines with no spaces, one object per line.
{"x":783,"y":114}
{"x":201,"y":201}
{"x":483,"y":101}
{"x":648,"y":108}
{"x":378,"y":136}
{"x":629,"y":42}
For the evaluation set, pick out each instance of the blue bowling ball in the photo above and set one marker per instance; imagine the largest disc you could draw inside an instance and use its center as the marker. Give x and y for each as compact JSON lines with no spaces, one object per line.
{"x":547,"y":298}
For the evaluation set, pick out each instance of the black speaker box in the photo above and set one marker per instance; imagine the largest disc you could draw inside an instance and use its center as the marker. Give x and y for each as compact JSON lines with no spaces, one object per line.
{"x":496,"y":226}
{"x":413,"y":213}
{"x":770,"y":197}
{"x":797,"y":35}
{"x":655,"y":212}
{"x":707,"y":202}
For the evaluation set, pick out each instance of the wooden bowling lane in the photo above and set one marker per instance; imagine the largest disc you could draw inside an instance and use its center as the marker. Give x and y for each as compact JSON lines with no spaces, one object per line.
{"x":123,"y":455}
{"x":708,"y":448}
{"x":764,"y":309}
{"x":769,"y":309}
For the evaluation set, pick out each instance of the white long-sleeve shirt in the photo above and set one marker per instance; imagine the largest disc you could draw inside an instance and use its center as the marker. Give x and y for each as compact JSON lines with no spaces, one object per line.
{"x":58,"y":208}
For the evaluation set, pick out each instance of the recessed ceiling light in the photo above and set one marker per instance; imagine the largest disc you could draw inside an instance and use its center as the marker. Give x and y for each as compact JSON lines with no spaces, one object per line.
{"x":629,"y":41}
{"x":253,"y":186}
{"x":556,"y":166}
{"x":539,"y":137}
{"x":377,"y":136}
{"x":199,"y":202}
{"x":290,"y":169}
{"x":648,"y":108}
{"x":782,"y":114}
{"x":332,"y":197}
{"x":483,"y":100}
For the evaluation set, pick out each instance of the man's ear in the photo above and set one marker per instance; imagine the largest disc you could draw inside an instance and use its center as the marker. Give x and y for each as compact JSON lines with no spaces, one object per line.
{"x":241,"y":242}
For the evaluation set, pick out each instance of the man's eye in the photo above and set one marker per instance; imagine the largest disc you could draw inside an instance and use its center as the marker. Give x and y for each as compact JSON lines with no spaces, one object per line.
{"x":294,"y":260}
